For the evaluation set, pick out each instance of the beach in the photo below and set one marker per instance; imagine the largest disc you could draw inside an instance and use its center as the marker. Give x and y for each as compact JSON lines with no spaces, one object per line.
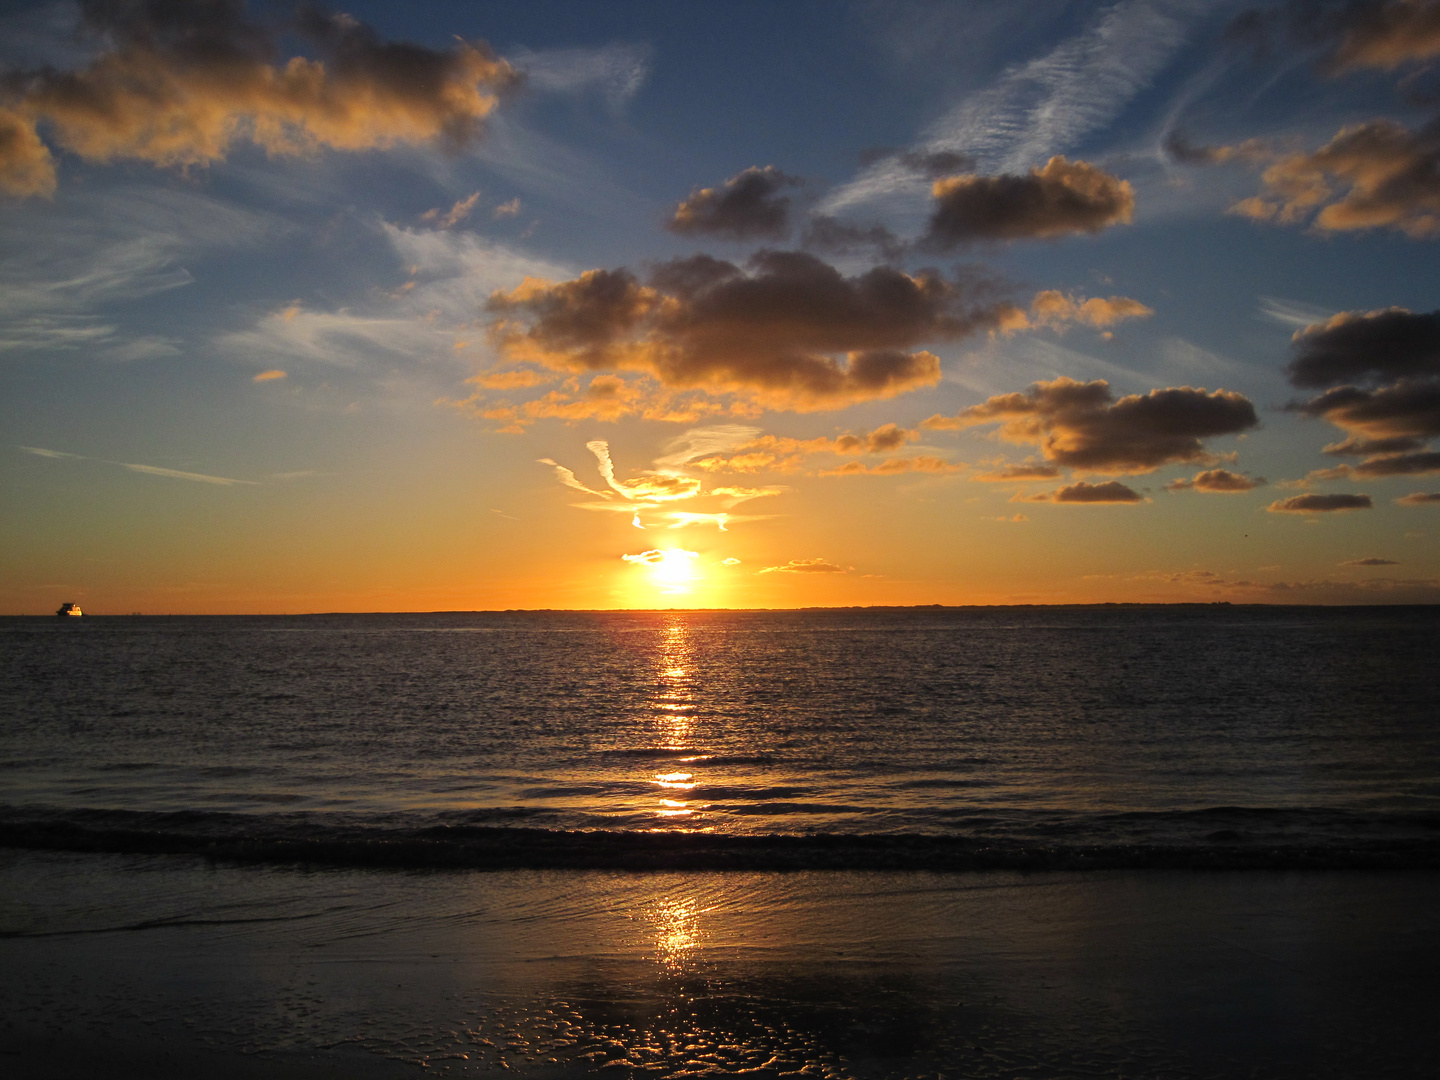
{"x":162,"y":966}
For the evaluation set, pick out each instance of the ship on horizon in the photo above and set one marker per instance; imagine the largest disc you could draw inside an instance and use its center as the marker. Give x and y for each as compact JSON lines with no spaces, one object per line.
{"x":68,"y":608}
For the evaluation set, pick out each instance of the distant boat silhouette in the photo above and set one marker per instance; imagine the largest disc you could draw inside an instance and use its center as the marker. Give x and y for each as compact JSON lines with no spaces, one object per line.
{"x":68,"y":608}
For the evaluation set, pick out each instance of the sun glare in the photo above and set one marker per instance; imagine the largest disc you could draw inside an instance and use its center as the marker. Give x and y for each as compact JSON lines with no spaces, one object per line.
{"x":672,"y":571}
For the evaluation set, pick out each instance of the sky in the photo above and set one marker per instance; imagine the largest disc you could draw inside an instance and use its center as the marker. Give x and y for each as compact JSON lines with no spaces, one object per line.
{"x":547,"y":304}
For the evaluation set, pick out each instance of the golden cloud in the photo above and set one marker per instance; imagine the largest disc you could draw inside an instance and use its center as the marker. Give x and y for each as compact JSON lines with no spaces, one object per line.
{"x":807,"y":566}
{"x":1112,"y":491}
{"x":894,"y":466}
{"x":180,"y":83}
{"x":1217,"y":481}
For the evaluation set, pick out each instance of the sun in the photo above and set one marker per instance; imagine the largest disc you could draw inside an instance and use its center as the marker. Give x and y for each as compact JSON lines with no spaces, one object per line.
{"x":672,"y":571}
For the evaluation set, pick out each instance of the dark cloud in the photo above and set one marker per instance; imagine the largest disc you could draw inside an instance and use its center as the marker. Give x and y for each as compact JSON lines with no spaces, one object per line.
{"x":1385,"y":176}
{"x":748,"y":206}
{"x":1218,"y":481}
{"x":1355,"y":446}
{"x":1419,"y":498}
{"x":178,"y":83}
{"x":1350,"y":34}
{"x":1415,"y":464}
{"x":931,"y":164}
{"x":1370,"y":562}
{"x":1319,"y":504}
{"x":793,"y":331}
{"x":1182,"y":150}
{"x":830,"y":234}
{"x":1083,"y":426}
{"x":1408,"y":410}
{"x":1111,"y":491}
{"x":1019,"y":472}
{"x":1366,"y":346}
{"x":1060,"y":199}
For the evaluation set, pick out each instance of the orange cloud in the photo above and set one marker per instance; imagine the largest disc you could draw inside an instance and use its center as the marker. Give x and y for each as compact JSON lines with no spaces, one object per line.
{"x":1376,"y":175}
{"x":181,"y":82}
{"x":807,"y":566}
{"x":1083,"y":426}
{"x":1060,"y":199}
{"x":1020,"y":472}
{"x":269,"y":376}
{"x":794,"y":333}
{"x":1217,"y":481}
{"x":1053,"y":308}
{"x":452,"y":217}
{"x":1419,"y":498}
{"x":893,"y":466}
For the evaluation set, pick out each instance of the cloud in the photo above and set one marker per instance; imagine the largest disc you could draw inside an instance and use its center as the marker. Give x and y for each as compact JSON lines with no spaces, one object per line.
{"x":748,"y":206}
{"x":1217,"y":481}
{"x":1019,"y":473}
{"x":734,"y":496}
{"x":1083,"y":426}
{"x":1419,"y":498}
{"x":269,"y":376}
{"x":1368,"y":346}
{"x":177,"y":84}
{"x":568,"y":478}
{"x":507,"y":209}
{"x":452,"y":217}
{"x":617,"y":71}
{"x":656,"y":555}
{"x":1407,"y":410}
{"x":1054,"y":309}
{"x":793,"y":333}
{"x":1182,"y":150}
{"x":1319,"y":504}
{"x":1045,"y":105}
{"x":1112,"y":491}
{"x":894,"y":466}
{"x":1060,"y":199}
{"x":151,"y":470}
{"x":1357,"y":446}
{"x":704,"y":442}
{"x":832,"y":235}
{"x":1370,"y":562}
{"x":1380,"y":34}
{"x":1416,"y":464}
{"x":778,"y":453}
{"x":1384,"y":176}
{"x":807,"y":566}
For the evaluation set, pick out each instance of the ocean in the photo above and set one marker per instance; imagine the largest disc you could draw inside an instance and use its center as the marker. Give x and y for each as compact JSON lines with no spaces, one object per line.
{"x":866,"y":842}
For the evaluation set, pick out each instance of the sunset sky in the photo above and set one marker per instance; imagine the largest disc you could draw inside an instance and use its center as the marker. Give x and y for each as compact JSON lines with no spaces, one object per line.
{"x":535,"y":304}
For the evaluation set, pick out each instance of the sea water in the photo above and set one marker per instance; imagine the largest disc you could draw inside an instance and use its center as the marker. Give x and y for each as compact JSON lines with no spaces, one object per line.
{"x":1232,"y":730}
{"x":348,"y":846}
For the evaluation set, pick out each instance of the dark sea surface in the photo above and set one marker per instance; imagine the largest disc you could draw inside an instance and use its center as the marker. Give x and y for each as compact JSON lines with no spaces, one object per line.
{"x":933,"y":738}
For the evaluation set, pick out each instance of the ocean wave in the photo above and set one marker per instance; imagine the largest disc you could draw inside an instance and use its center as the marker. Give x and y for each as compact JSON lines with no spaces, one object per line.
{"x":1376,"y":842}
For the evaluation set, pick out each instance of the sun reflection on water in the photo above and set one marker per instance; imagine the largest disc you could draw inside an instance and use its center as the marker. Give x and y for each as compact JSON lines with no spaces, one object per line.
{"x":675,"y":709}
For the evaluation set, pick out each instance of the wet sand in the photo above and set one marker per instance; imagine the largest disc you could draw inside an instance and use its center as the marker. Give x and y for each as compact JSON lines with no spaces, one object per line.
{"x":154,"y":966}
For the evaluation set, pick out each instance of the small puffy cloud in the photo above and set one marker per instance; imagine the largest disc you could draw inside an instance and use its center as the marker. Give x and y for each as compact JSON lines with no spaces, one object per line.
{"x":731,"y":561}
{"x":1419,"y":498}
{"x":269,"y":376}
{"x":177,"y":84}
{"x":807,"y":566}
{"x":1375,"y":175}
{"x":1217,"y":481}
{"x":1055,"y":309}
{"x":507,"y":209}
{"x":894,"y":466}
{"x":1060,"y":199}
{"x":1112,"y":491}
{"x":1319,"y":504}
{"x":792,"y":333}
{"x":748,"y":206}
{"x":447,"y":219}
{"x":1370,"y":562}
{"x":1083,"y":426}
{"x":1366,"y":346}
